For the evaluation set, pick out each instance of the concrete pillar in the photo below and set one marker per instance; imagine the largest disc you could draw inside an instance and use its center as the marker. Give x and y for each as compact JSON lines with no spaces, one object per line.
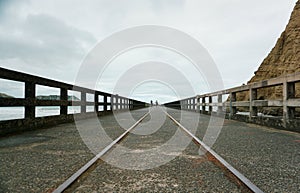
{"x":198,"y":105}
{"x":30,"y":97}
{"x":121,"y":103}
{"x":220,"y":108}
{"x":232,"y":108}
{"x":126,"y":104}
{"x":117,"y":103}
{"x":112,"y":102}
{"x":83,"y":102}
{"x":253,"y":97}
{"x":291,"y":94}
{"x":203,"y":105}
{"x":288,"y":92}
{"x":96,"y":102}
{"x":210,"y":106}
{"x":105,"y":103}
{"x":130,"y":104}
{"x":64,"y":98}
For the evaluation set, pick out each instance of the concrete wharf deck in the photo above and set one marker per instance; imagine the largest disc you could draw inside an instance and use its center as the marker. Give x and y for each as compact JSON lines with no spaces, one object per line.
{"x":40,"y":160}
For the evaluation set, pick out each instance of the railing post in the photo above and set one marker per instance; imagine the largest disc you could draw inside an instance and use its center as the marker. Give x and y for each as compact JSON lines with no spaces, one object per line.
{"x":252,"y":98}
{"x":96,"y":102}
{"x":30,"y":97}
{"x":288,"y":92}
{"x":130,"y":104}
{"x":64,"y":99}
{"x":210,"y":105}
{"x":220,"y":108}
{"x":203,"y":105}
{"x":113,"y":102}
{"x":186,"y":105}
{"x":198,"y":104}
{"x":83,"y":102}
{"x":291,"y":94}
{"x":232,"y":108}
{"x":117,"y":100}
{"x":105,"y":103}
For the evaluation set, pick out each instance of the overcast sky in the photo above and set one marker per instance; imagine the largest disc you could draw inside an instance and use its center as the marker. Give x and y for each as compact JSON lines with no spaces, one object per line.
{"x":52,"y":38}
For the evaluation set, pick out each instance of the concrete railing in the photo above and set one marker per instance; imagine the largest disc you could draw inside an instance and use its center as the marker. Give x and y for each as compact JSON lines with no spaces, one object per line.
{"x":204,"y":103}
{"x":30,"y":102}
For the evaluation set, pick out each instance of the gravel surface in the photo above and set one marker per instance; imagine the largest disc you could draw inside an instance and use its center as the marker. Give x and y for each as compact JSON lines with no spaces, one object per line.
{"x":187,"y":172}
{"x":36,"y":161}
{"x":39,"y":161}
{"x":270,"y":158}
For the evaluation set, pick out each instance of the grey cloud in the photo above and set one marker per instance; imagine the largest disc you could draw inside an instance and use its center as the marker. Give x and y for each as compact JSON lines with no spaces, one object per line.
{"x":43,"y":38}
{"x":6,"y":6}
{"x":42,"y":44}
{"x":238,"y":34}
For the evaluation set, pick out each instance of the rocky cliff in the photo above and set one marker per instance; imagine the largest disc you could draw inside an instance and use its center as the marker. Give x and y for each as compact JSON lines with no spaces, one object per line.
{"x":283,"y":59}
{"x":285,"y":56}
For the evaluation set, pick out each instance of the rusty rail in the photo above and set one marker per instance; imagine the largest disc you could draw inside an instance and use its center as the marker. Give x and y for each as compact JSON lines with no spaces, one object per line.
{"x":241,"y":178}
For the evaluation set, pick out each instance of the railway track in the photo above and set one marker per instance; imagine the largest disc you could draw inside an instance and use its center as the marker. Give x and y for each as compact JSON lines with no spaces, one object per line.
{"x":242,"y":180}
{"x":234,"y":174}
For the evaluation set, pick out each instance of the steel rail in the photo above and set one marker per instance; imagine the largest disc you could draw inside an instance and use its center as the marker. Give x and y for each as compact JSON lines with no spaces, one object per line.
{"x":252,"y":187}
{"x":84,"y":168}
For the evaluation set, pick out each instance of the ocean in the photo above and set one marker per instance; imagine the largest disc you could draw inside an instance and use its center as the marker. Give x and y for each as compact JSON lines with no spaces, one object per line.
{"x":8,"y":113}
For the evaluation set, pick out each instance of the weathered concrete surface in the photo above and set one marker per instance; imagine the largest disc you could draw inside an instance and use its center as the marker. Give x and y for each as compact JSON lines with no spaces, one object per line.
{"x":273,"y":122}
{"x":187,"y":172}
{"x":40,"y":160}
{"x":270,"y":158}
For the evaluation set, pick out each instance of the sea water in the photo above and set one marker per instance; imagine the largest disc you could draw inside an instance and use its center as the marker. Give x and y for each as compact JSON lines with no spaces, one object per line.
{"x":8,"y":113}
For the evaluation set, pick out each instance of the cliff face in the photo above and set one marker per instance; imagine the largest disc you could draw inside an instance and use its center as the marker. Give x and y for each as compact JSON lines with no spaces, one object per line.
{"x":282,"y":60}
{"x":285,"y":56}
